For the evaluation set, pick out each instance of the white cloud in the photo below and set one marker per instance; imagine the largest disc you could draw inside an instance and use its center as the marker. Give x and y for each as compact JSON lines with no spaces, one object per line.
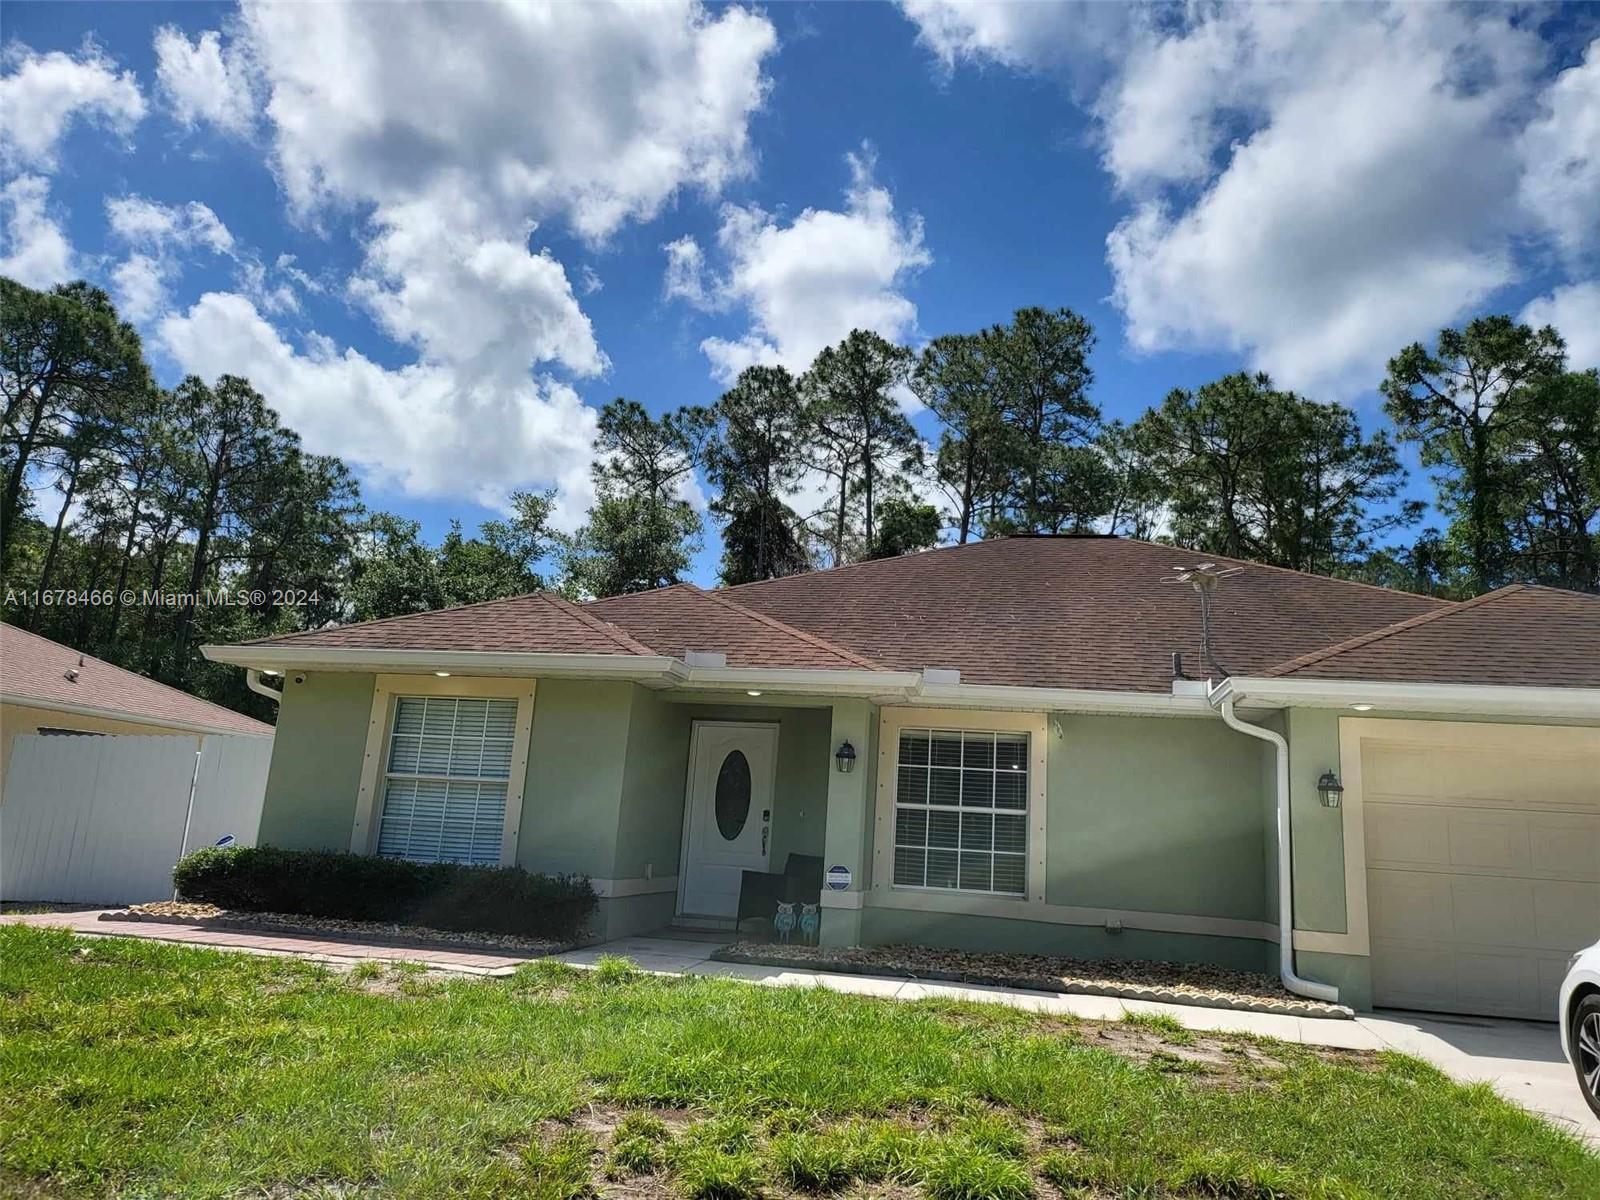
{"x":205,"y":81}
{"x":1575,"y":312}
{"x":440,"y":277}
{"x":157,"y":236}
{"x":1022,"y":34}
{"x":34,"y":249}
{"x":685,"y":277}
{"x":1310,"y":185}
{"x":807,"y":283}
{"x":43,"y":94}
{"x":597,"y":112}
{"x":1561,"y":157}
{"x":451,"y":132}
{"x":424,"y":428}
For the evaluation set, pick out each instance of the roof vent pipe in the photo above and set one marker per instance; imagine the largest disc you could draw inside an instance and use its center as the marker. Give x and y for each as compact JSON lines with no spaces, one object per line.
{"x":1286,"y":972}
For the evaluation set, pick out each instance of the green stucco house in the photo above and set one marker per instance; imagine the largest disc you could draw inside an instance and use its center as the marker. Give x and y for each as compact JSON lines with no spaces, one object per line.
{"x":1016,"y":744}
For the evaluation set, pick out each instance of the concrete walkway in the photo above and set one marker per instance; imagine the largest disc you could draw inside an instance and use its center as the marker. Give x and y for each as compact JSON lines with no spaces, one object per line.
{"x":1521,"y":1059}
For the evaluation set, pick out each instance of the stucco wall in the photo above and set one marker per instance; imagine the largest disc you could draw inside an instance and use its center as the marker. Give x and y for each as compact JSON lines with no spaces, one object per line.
{"x":1155,"y":814}
{"x":316,"y":762}
{"x":577,"y":756}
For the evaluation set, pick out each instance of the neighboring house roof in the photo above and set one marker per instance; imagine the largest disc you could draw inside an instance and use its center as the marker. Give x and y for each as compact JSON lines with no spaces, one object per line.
{"x":1074,"y":612}
{"x":538,"y":623}
{"x":681,"y":618}
{"x":1516,"y":636}
{"x":39,"y":673}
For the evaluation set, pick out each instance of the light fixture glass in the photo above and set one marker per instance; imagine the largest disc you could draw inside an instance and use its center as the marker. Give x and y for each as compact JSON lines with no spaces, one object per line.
{"x":752,"y":692}
{"x":845,"y":756}
{"x":442,"y":674}
{"x":1329,"y":790}
{"x":1362,"y":707}
{"x":265,"y":671}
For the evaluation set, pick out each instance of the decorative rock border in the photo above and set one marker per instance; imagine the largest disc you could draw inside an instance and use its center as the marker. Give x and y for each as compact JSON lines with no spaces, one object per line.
{"x":1235,"y":1002}
{"x":373,"y":935}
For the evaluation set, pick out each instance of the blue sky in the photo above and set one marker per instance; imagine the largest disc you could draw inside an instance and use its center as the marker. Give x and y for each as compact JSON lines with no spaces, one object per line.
{"x":436,"y":237}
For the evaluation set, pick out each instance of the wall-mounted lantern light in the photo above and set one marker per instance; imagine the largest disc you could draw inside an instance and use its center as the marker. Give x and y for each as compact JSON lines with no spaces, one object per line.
{"x":845,"y":756}
{"x":1329,"y":790}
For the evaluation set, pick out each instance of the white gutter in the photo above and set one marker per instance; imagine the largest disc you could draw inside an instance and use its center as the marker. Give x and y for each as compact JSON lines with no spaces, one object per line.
{"x":1473,"y":698}
{"x":933,"y":687}
{"x":252,"y":680}
{"x":466,"y":662}
{"x":1036,"y":699}
{"x":1286,"y":972}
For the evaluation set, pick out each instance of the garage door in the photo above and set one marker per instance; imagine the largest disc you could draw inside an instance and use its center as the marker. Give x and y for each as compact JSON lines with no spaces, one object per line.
{"x":1483,"y":864}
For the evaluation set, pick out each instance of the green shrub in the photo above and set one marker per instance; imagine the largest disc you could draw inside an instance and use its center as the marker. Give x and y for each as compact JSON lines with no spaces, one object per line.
{"x":361,"y":887}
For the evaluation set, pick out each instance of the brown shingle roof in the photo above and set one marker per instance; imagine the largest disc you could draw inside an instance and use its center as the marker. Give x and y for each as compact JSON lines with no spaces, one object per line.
{"x":34,"y":670}
{"x":682,"y":617}
{"x":1080,"y":612}
{"x":536,"y":623}
{"x":1516,"y":636}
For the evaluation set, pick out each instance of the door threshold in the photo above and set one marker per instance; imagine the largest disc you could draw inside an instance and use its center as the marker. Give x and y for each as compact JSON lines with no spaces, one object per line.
{"x":717,"y":924}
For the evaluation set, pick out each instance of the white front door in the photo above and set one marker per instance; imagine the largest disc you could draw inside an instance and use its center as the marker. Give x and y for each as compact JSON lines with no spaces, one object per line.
{"x":728,"y":819}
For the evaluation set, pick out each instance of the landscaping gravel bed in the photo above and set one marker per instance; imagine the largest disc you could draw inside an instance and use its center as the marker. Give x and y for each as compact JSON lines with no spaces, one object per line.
{"x":184,"y":912}
{"x":1169,"y":982}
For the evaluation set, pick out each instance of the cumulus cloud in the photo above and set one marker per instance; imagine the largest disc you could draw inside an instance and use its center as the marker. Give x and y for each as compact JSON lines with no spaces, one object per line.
{"x":584,"y":114}
{"x":808,"y":282}
{"x":205,"y":81}
{"x":1575,"y":312}
{"x":42,"y":95}
{"x":440,"y":277}
{"x":1561,"y":156}
{"x":1309,"y":185}
{"x":424,"y":427}
{"x":158,"y":236}
{"x":34,"y":249}
{"x":597,"y":112}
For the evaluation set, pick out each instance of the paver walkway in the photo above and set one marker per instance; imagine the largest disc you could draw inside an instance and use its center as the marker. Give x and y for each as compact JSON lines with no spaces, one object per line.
{"x":1521,"y":1059}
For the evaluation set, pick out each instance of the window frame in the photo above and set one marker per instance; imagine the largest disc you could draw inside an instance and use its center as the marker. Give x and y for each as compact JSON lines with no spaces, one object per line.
{"x":380,"y":724}
{"x":892,"y":721}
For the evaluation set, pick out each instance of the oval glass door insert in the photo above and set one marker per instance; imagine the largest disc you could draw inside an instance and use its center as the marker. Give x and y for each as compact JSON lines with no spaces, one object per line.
{"x":733,"y":795}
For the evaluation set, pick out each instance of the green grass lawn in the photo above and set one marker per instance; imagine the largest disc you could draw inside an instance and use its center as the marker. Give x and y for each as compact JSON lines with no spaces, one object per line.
{"x":131,"y":1068}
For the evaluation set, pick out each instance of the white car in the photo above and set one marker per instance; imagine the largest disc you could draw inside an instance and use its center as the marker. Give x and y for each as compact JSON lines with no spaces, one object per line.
{"x":1579,"y":1013}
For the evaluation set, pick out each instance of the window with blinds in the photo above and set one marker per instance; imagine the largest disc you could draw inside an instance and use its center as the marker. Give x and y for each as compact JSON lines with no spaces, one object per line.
{"x":445,"y":779}
{"x":961,"y":811}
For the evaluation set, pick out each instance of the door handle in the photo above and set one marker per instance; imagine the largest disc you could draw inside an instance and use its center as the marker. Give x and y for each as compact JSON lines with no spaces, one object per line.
{"x":764,"y":839}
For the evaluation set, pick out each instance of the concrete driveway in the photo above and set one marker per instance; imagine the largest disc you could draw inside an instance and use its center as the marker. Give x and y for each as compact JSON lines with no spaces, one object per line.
{"x":1521,"y":1059}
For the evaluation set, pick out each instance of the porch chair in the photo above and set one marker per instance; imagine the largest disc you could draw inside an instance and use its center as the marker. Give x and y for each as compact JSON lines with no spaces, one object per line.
{"x":800,"y":882}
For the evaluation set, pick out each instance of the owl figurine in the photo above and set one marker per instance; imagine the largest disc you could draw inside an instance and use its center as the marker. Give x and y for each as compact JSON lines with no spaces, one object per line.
{"x":783,"y":923}
{"x":810,"y":923}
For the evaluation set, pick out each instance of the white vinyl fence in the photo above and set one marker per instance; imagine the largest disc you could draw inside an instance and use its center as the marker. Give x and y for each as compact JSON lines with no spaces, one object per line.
{"x":99,"y":820}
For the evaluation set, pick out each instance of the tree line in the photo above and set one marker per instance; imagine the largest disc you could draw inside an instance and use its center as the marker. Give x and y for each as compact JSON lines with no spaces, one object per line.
{"x":116,"y":486}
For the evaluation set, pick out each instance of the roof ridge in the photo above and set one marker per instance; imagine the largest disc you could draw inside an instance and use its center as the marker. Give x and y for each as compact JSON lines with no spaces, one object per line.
{"x":615,"y":632}
{"x":865,"y":562}
{"x":1313,"y":657}
{"x":773,"y":622}
{"x":143,"y":679}
{"x":427,"y":612}
{"x":1261,"y":566}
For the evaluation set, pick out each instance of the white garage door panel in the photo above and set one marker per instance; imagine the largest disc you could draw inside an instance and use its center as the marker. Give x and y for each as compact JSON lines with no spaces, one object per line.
{"x":1483,"y":865}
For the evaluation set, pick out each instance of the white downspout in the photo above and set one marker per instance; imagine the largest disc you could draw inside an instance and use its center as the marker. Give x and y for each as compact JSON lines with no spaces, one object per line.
{"x":252,"y":680}
{"x":1297,"y":985}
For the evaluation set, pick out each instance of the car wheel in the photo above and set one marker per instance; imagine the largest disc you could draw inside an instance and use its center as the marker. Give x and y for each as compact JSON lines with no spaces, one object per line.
{"x":1585,"y":1041}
